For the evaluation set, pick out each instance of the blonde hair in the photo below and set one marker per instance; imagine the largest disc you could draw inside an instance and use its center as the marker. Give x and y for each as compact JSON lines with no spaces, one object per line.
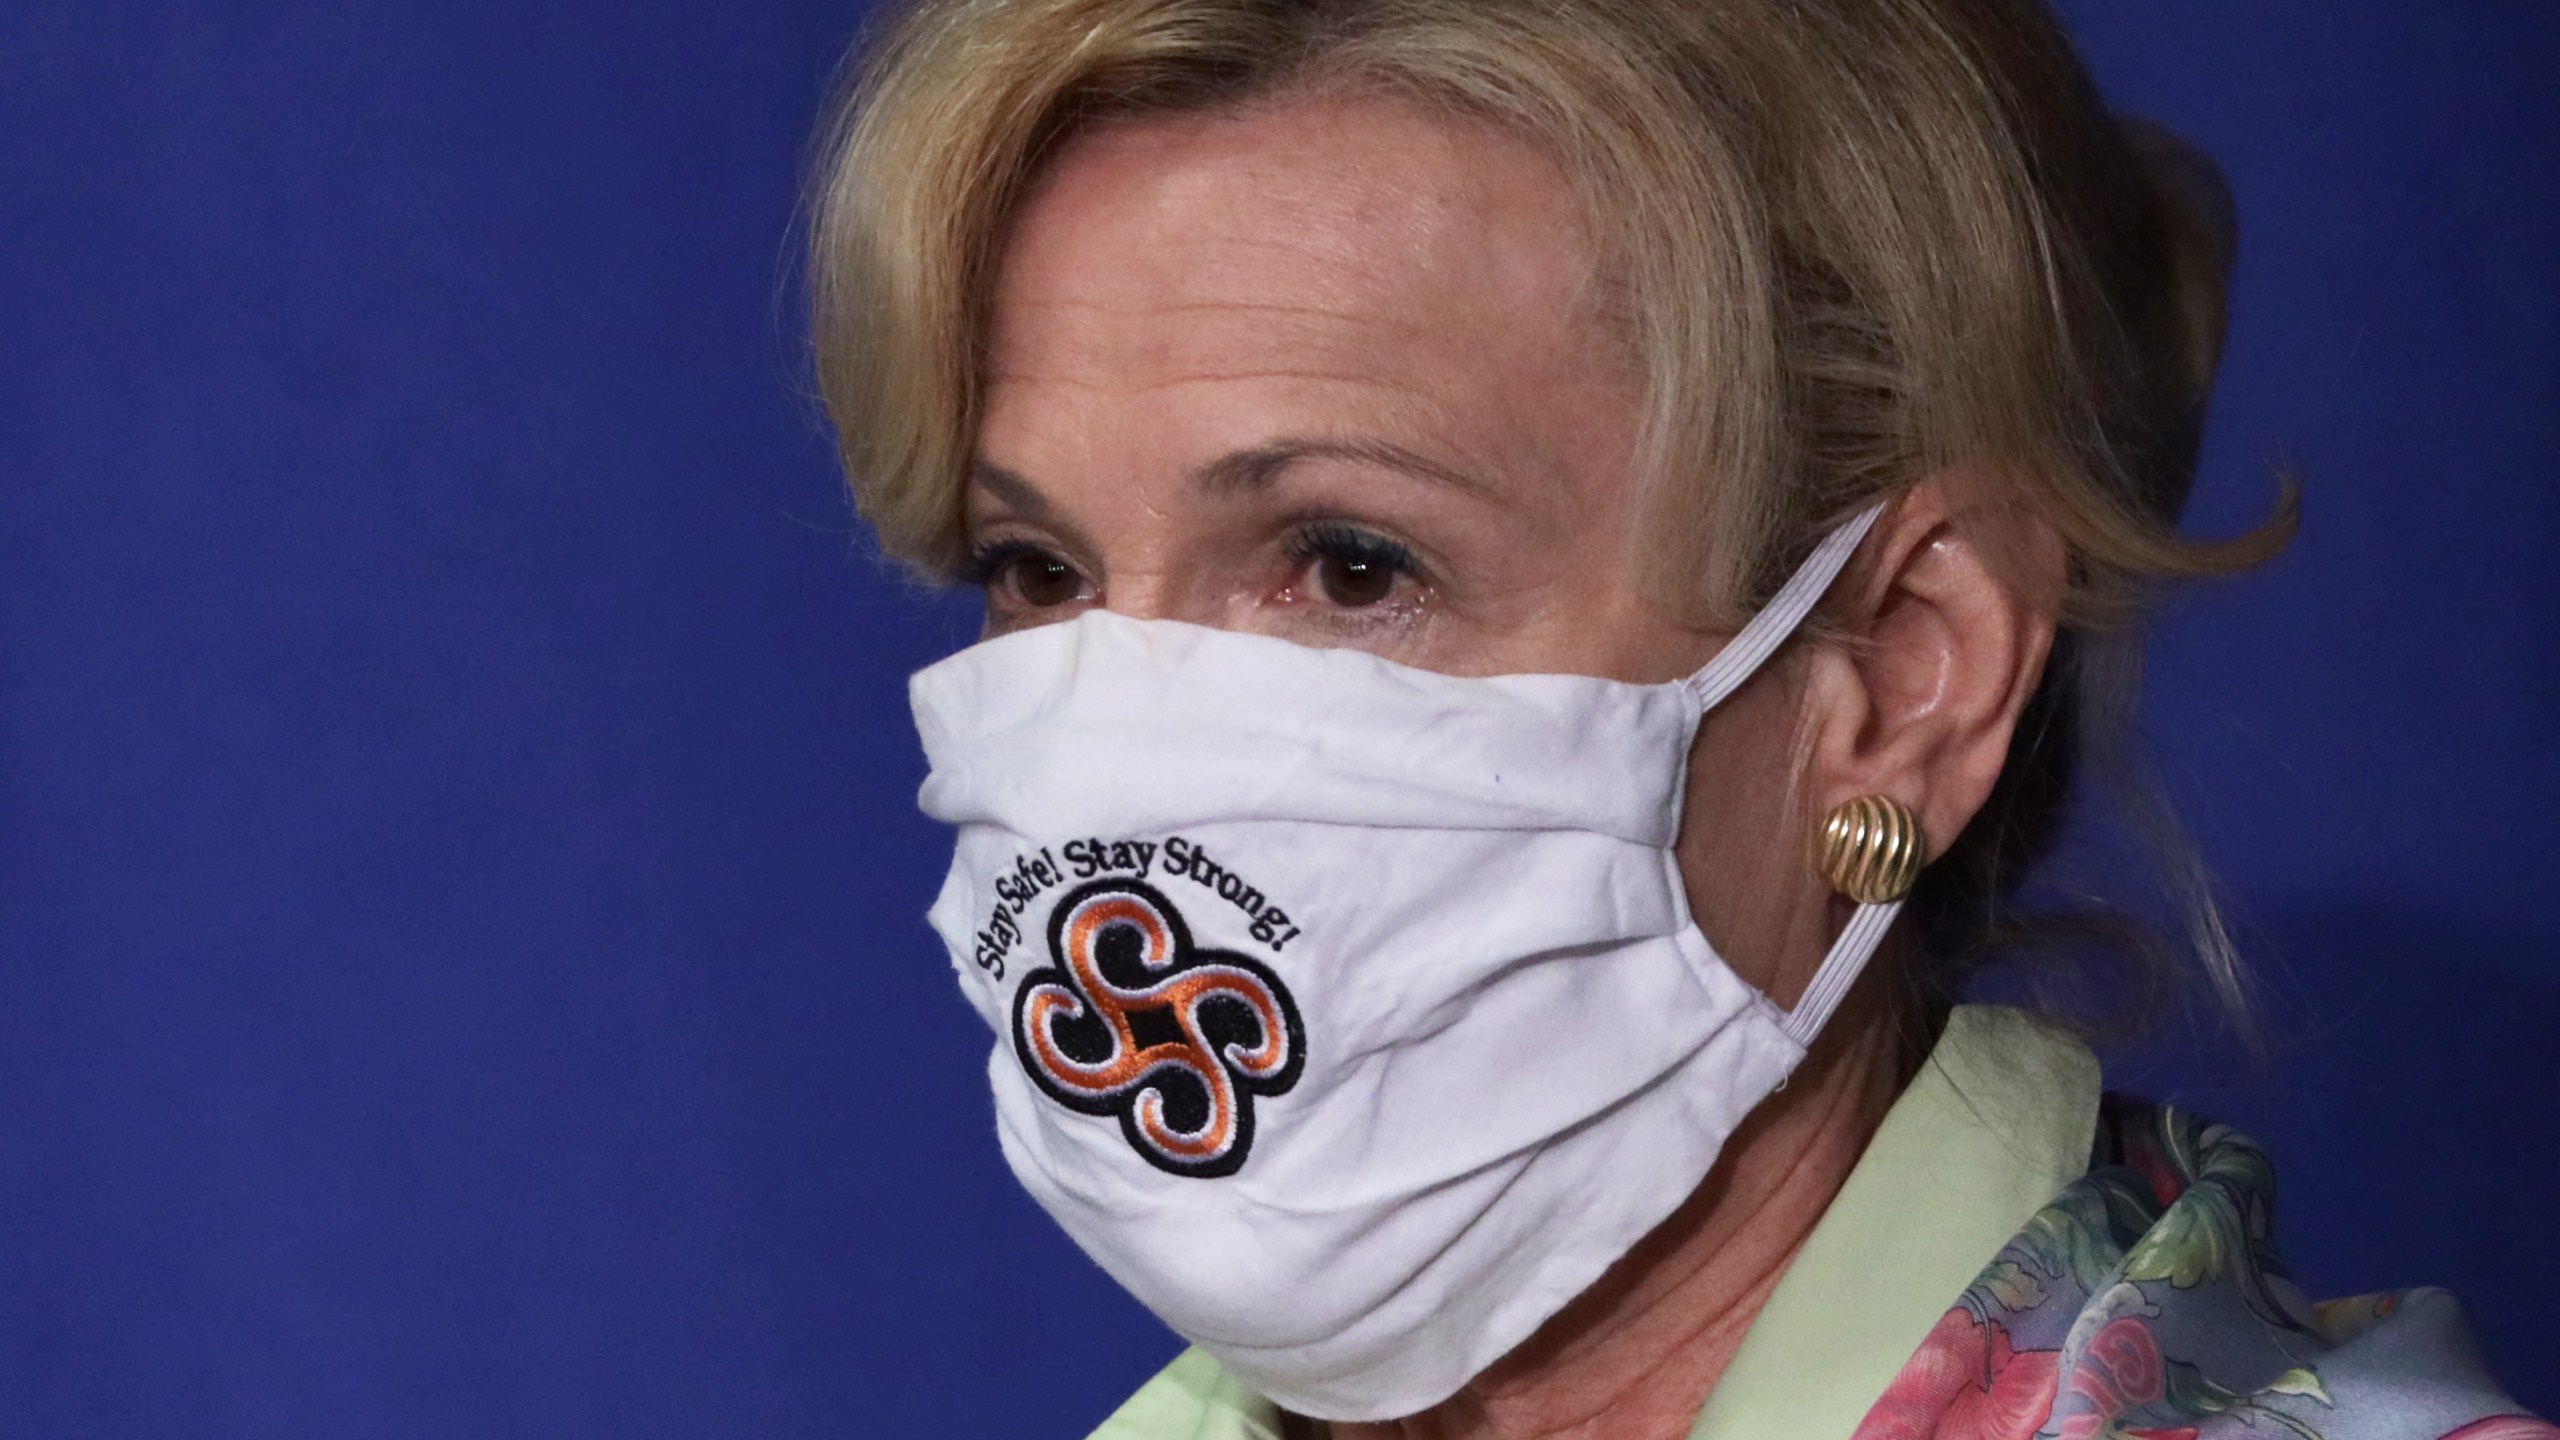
{"x":1860,"y":243}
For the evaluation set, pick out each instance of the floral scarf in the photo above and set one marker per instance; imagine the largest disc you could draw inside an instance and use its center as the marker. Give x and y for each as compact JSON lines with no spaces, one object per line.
{"x":2147,"y":1302}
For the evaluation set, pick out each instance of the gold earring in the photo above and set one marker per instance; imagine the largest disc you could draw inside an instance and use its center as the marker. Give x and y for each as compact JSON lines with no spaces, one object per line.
{"x":1872,"y":849}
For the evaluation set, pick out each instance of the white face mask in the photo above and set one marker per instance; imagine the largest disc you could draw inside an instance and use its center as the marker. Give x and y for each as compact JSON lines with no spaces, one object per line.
{"x":1351,"y":1015}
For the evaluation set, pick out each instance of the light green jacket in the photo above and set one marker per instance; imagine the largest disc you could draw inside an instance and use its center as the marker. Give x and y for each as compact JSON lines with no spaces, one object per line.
{"x":1998,"y":1121}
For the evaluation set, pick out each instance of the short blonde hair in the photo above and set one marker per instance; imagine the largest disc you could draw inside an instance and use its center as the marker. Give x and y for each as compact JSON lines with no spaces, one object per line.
{"x":1859,"y":243}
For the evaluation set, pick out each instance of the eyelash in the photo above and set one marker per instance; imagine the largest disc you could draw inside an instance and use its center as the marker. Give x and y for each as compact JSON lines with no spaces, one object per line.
{"x":987,"y":562}
{"x":1333,"y":540}
{"x":1322,"y":540}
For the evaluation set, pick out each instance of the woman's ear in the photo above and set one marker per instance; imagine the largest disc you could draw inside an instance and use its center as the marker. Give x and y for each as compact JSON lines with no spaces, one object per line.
{"x":1939,"y":650}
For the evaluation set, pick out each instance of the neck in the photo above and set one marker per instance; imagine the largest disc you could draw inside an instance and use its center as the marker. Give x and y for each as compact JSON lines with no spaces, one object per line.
{"x":1635,"y":1356}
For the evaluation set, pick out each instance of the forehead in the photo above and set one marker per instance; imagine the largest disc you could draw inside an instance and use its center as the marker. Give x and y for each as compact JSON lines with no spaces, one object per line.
{"x":1366,"y":236}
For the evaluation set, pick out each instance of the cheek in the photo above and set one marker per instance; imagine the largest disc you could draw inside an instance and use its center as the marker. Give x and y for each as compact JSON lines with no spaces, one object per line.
{"x":1744,"y":849}
{"x":1575,"y":522}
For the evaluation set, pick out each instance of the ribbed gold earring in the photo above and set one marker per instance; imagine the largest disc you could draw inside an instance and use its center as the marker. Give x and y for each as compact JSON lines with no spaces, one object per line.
{"x":1872,"y":849}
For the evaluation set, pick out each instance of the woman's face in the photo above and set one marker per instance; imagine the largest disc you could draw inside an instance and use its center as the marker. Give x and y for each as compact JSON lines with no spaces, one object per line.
{"x":1334,"y":371}
{"x":1340,"y":371}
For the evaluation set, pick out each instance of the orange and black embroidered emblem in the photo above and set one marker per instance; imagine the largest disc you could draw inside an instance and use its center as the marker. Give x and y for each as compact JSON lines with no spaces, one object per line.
{"x":1130,"y":1020}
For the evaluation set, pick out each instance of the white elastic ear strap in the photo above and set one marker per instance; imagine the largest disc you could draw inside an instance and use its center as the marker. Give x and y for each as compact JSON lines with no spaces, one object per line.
{"x":1741,"y":657}
{"x":1849,"y":955}
{"x":1746,"y":652}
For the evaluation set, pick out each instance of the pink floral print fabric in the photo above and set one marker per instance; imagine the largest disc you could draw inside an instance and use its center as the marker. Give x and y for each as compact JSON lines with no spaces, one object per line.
{"x":2147,"y":1302}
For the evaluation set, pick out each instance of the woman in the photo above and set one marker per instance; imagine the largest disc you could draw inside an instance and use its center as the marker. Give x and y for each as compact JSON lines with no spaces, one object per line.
{"x":1548,"y":566}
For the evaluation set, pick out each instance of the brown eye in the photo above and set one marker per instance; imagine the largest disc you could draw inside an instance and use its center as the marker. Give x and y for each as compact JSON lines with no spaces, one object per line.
{"x":1019,"y":573}
{"x":1044,"y":581}
{"x":1353,"y":567}
{"x":1352,"y":581}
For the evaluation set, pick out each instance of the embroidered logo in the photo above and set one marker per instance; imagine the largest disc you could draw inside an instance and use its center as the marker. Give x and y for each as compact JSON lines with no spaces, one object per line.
{"x":1130,"y":1020}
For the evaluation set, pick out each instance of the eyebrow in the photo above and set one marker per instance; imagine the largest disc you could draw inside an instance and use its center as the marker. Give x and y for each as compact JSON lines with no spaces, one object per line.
{"x":1246,"y":471}
{"x":1010,"y":488}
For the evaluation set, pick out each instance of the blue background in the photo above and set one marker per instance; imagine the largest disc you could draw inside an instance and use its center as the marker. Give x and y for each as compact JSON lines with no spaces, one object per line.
{"x":460,"y":965}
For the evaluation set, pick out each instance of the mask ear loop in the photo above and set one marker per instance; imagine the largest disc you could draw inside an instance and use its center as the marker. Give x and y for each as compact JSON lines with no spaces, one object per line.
{"x":1741,"y":658}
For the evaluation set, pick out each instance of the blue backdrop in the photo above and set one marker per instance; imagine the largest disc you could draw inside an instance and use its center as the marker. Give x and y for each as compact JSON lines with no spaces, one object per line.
{"x":460,"y":960}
